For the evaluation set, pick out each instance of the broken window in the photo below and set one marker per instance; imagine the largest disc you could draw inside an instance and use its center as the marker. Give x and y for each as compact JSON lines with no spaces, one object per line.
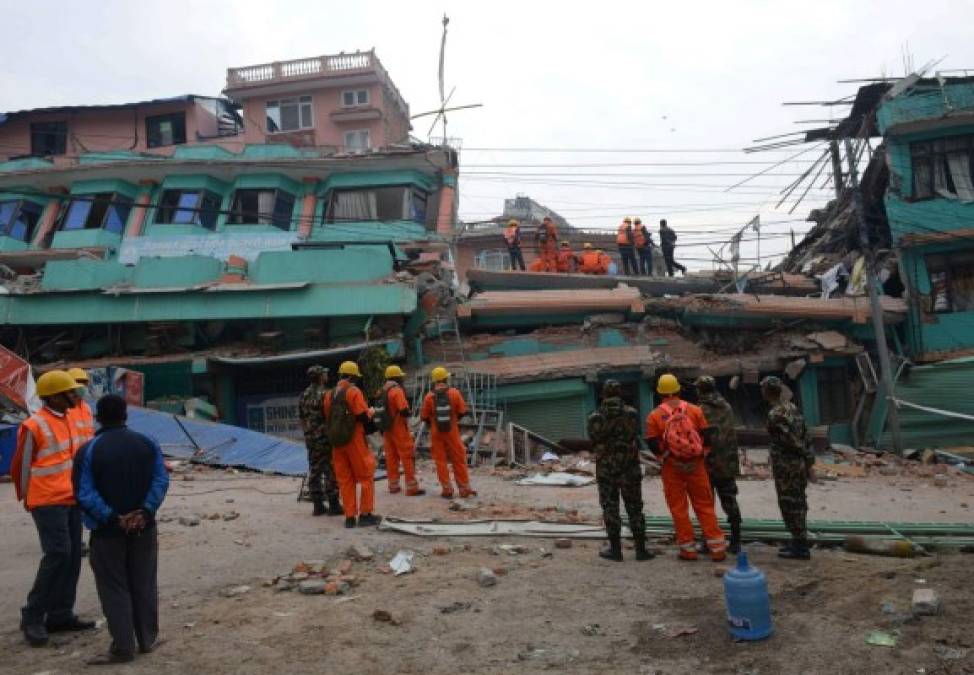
{"x":951,"y":281}
{"x":355,"y":97}
{"x":834,"y":395}
{"x":357,"y":141}
{"x":19,"y":218}
{"x":48,"y":138}
{"x":943,"y":168}
{"x":289,"y":114}
{"x":380,"y":203}
{"x":262,"y":207}
{"x":107,"y":211}
{"x":189,"y":207}
{"x":163,"y":130}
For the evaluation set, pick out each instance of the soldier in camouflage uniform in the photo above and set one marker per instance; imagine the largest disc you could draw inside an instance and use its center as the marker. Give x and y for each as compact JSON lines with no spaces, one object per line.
{"x":613,"y":430}
{"x":723,"y":465}
{"x":791,"y":463}
{"x":320,"y":468}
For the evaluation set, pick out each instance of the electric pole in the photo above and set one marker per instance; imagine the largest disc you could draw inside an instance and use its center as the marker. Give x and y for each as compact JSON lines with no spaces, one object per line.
{"x":886,"y":391}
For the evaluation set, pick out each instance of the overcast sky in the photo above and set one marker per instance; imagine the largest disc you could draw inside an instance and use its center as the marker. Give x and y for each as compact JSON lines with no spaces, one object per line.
{"x":684,"y":77}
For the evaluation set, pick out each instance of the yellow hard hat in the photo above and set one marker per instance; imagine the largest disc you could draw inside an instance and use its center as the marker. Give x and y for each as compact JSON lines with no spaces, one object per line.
{"x":586,"y":245}
{"x":394,"y":371}
{"x":512,"y":222}
{"x":439,"y":374}
{"x":627,"y":219}
{"x":55,"y":382}
{"x":79,"y":375}
{"x":668,"y":384}
{"x":349,"y":368}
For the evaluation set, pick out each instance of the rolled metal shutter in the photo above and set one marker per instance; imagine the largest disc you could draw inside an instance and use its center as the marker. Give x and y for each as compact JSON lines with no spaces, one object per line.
{"x":553,"y":418}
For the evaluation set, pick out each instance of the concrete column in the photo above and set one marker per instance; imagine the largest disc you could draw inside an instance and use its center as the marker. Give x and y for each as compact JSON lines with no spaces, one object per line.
{"x":140,"y":209}
{"x":308,"y":205}
{"x":445,"y":224}
{"x":49,"y":217}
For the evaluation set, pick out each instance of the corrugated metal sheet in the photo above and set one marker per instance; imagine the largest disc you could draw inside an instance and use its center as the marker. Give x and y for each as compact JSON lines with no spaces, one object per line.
{"x":553,"y":418}
{"x":220,"y":444}
{"x":946,"y":386}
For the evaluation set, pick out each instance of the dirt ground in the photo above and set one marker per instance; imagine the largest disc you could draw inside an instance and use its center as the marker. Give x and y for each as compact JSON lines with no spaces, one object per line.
{"x":557,"y":609}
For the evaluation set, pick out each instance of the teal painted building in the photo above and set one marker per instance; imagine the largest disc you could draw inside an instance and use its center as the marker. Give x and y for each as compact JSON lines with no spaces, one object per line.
{"x":929,"y":132}
{"x":191,"y":268}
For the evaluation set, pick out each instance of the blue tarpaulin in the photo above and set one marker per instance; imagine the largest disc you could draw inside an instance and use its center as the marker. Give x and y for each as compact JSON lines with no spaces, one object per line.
{"x":220,"y":444}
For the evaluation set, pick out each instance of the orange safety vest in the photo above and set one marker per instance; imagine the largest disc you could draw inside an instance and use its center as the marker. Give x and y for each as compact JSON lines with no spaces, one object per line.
{"x":639,"y":235}
{"x":44,"y":459}
{"x":82,"y":423}
{"x":590,"y":262}
{"x":566,"y":261}
{"x":624,"y":238}
{"x":510,"y":235}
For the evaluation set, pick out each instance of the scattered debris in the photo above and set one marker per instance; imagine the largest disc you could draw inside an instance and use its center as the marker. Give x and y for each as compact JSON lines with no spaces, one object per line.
{"x":360,"y":553}
{"x":402,"y":563}
{"x":879,"y":638}
{"x":313,"y":587}
{"x":189,"y":521}
{"x":720,"y":570}
{"x":486,"y":577}
{"x":875,"y":546}
{"x":235,"y":591}
{"x":949,"y":653}
{"x":384,"y":617}
{"x":344,"y":567}
{"x":926,"y":602}
{"x":591,"y":629}
{"x":675,"y":631}
{"x":513,"y":549}
{"x":441,"y":549}
{"x":558,"y":479}
{"x":830,"y":340}
{"x":231,"y":515}
{"x":563,"y":543}
{"x":455,"y":607}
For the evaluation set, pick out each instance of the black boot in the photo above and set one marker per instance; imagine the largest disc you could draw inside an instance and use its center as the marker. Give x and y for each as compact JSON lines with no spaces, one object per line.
{"x":368,"y":520}
{"x":642,"y":553}
{"x":335,"y":506}
{"x":796,"y":550}
{"x":735,"y":538}
{"x":319,"y":508}
{"x":35,"y":634}
{"x":349,"y":523}
{"x":613,"y":550}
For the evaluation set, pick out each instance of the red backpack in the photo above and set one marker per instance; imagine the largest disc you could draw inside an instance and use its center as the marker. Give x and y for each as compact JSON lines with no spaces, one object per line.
{"x":680,"y":436}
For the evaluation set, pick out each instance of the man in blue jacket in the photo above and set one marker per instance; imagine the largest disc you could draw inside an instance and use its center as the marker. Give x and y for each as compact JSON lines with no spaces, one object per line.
{"x":120,"y":482}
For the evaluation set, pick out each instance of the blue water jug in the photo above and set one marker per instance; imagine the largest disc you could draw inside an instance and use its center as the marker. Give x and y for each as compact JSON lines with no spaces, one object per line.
{"x":748,"y":604}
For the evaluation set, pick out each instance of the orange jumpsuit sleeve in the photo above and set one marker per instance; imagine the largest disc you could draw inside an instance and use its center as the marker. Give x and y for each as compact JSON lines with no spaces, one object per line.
{"x":355,"y":400}
{"x":459,"y":405}
{"x":326,"y":403}
{"x":654,"y":424}
{"x":427,"y":413}
{"x":17,"y":464}
{"x":397,"y":400}
{"x":699,"y":419}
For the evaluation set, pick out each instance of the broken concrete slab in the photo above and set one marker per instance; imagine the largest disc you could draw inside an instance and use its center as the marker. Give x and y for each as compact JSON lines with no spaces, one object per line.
{"x":829,"y":339}
{"x":486,"y":577}
{"x":795,"y":368}
{"x":926,"y":602}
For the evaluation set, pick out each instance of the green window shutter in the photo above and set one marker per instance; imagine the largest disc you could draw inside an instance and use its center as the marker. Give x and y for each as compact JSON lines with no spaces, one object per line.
{"x":554,"y":418}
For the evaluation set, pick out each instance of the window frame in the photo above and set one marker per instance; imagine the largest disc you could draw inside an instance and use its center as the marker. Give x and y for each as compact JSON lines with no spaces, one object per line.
{"x":276,"y":219}
{"x":368,"y":140}
{"x":200,"y":211}
{"x":62,"y":136}
{"x":928,"y":153}
{"x":117,"y":206}
{"x":299,"y":102}
{"x":945,"y":266}
{"x":408,"y":199}
{"x":356,"y":102}
{"x":16,"y":212}
{"x":172,"y":117}
{"x":827,"y":380}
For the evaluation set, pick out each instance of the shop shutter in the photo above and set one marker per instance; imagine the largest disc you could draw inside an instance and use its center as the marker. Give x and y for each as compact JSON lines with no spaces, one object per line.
{"x":554,"y":418}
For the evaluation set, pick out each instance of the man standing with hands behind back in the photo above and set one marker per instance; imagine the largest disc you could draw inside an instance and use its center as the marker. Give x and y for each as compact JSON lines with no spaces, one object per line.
{"x":120,"y":481}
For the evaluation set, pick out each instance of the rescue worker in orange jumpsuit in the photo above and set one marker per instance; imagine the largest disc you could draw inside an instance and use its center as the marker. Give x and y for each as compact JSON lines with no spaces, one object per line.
{"x":592,"y":261}
{"x":566,"y":258}
{"x":41,"y":471}
{"x":625,"y":240}
{"x":677,"y":432}
{"x":397,"y":440}
{"x":547,"y":240}
{"x":442,"y":409}
{"x":512,"y":237}
{"x":80,"y":414}
{"x":353,"y":460}
{"x":644,"y":247}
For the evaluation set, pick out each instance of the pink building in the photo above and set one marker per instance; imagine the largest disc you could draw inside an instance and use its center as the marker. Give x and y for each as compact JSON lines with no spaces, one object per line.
{"x":341,"y":103}
{"x":346,"y":102}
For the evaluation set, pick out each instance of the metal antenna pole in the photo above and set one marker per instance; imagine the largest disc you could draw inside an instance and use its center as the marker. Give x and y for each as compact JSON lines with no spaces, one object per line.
{"x":876,"y":309}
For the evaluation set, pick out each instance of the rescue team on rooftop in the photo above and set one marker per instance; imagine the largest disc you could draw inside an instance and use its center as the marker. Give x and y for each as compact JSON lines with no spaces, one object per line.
{"x":114,"y":480}
{"x":634,"y":241}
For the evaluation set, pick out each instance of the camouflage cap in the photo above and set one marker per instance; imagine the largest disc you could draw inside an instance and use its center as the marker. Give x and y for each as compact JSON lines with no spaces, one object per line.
{"x":705,"y":383}
{"x":771,"y":383}
{"x":611,"y":388}
{"x":316,"y":371}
